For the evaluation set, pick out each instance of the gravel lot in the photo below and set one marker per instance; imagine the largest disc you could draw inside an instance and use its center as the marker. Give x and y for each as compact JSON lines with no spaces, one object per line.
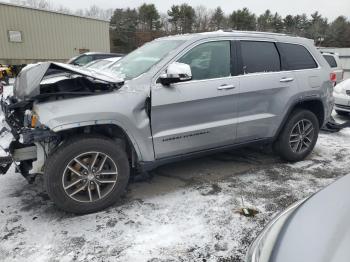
{"x":182,"y":212}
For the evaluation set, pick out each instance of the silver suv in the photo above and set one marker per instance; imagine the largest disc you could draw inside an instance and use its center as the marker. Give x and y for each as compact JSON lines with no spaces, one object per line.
{"x":174,"y":98}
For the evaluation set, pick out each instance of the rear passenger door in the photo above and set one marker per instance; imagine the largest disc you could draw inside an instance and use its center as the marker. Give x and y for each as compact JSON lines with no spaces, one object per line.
{"x":297,"y":58}
{"x":264,"y":92}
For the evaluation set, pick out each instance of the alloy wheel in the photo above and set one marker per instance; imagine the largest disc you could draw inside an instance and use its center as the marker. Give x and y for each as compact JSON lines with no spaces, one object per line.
{"x":89,"y":177}
{"x":301,"y":136}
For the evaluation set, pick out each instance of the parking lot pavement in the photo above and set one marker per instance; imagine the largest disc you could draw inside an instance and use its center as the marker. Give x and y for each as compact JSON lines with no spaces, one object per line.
{"x":185,"y":211}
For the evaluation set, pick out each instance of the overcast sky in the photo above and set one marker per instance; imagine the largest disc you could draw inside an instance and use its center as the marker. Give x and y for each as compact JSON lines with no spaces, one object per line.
{"x":328,"y":8}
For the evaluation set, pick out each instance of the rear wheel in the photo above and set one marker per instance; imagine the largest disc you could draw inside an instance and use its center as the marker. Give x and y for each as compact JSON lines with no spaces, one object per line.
{"x":87,"y":174}
{"x":298,"y":136}
{"x":342,"y":113}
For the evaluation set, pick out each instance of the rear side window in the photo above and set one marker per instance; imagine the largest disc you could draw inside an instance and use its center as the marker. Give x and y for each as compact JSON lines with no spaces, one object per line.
{"x":259,"y":57}
{"x":296,"y":57}
{"x":331,"y":60}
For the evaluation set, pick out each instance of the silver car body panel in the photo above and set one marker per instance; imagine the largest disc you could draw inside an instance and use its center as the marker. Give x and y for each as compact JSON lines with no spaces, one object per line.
{"x":318,"y":230}
{"x":111,"y":108}
{"x":192,"y":116}
{"x":202,"y":117}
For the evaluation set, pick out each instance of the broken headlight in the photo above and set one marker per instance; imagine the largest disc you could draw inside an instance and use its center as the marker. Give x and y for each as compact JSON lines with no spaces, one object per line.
{"x":31,"y":119}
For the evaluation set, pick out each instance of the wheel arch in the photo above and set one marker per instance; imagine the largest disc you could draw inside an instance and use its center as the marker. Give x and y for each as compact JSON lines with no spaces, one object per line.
{"x":314,"y":105}
{"x":110,"y":130}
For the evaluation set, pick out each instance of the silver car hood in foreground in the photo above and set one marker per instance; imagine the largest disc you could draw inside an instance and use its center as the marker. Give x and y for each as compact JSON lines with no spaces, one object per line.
{"x":316,"y":230}
{"x":27,"y":84}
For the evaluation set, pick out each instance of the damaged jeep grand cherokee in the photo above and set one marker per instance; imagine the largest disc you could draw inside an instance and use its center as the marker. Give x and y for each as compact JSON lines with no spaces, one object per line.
{"x":173,"y":98}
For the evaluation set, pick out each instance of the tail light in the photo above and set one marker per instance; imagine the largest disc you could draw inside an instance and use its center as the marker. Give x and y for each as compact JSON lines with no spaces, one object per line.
{"x":333,"y":78}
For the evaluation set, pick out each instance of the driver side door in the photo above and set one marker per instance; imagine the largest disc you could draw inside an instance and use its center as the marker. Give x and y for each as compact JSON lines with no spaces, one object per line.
{"x":199,"y":114}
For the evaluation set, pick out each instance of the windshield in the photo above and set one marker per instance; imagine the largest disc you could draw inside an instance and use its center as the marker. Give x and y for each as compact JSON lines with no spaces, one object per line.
{"x":143,"y":58}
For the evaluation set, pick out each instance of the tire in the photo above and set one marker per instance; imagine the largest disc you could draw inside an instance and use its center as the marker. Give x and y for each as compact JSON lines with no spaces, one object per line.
{"x":342,"y":113}
{"x":286,"y":147}
{"x":101,"y":188}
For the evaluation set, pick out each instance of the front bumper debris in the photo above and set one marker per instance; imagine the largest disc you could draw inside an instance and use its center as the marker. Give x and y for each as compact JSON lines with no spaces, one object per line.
{"x":6,"y":139}
{"x":5,"y":163}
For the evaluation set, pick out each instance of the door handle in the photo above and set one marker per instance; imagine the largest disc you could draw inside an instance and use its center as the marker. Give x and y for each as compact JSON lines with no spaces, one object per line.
{"x":226,"y":87}
{"x":286,"y":79}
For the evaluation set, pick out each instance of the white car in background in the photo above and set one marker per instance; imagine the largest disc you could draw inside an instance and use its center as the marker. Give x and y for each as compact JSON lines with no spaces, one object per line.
{"x":102,"y":63}
{"x":342,"y":97}
{"x":334,"y":62}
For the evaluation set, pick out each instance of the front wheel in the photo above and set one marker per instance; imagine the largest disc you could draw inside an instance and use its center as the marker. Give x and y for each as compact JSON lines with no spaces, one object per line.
{"x":87,"y":174}
{"x":298,"y":137}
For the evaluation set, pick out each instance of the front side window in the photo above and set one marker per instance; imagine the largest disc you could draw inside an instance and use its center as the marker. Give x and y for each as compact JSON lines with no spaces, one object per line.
{"x":209,"y":60}
{"x":296,"y":57}
{"x":143,"y":58}
{"x":259,"y":57}
{"x":331,"y":61}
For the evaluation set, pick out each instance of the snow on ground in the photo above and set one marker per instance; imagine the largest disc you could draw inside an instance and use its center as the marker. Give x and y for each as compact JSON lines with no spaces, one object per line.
{"x":185,"y":211}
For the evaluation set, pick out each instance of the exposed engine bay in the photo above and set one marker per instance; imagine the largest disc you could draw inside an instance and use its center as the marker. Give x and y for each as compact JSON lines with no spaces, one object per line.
{"x":41,"y":83}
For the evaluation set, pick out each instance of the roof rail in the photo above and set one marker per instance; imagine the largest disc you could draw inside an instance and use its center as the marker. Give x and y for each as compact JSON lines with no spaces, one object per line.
{"x":328,"y":52}
{"x":257,"y":32}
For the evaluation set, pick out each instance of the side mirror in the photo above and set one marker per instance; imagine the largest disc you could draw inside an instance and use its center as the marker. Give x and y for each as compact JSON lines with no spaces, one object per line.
{"x":176,"y":72}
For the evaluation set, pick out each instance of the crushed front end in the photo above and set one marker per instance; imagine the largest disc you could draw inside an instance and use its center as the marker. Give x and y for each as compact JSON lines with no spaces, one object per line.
{"x":24,"y":141}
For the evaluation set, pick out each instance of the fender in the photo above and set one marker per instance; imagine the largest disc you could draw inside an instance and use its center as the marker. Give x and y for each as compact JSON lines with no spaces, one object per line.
{"x":125,"y":110}
{"x":132,"y":139}
{"x":294,"y":105}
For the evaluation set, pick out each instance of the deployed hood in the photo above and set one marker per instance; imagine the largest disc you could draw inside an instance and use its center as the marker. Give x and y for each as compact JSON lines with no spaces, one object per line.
{"x":28,"y":82}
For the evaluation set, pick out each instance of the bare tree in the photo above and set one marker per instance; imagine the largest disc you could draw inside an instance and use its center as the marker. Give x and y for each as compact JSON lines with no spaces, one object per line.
{"x":42,"y":4}
{"x":18,"y":2}
{"x":93,"y":11}
{"x":79,"y":12}
{"x":63,"y":9}
{"x":164,"y":23}
{"x":202,"y":18}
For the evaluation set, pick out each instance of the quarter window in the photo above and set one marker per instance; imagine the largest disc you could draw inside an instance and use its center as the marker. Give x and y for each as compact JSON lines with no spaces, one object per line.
{"x":296,"y":57}
{"x":259,"y":57}
{"x":331,"y":61}
{"x":209,"y":60}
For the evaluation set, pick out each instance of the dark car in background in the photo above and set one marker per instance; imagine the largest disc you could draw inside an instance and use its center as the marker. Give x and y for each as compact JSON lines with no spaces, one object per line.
{"x":86,"y":58}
